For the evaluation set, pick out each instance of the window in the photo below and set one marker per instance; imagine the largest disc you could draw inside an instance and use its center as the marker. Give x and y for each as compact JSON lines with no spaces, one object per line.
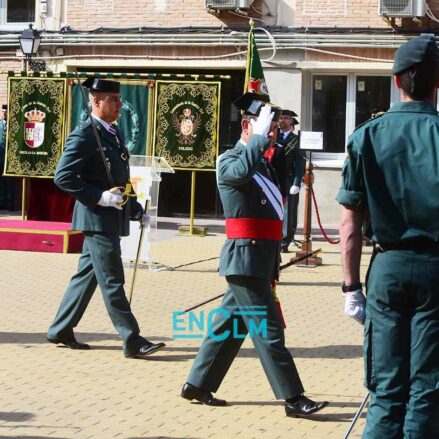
{"x":20,"y":11}
{"x":329,"y":110}
{"x":372,"y":96}
{"x":17,"y":12}
{"x":340,"y":102}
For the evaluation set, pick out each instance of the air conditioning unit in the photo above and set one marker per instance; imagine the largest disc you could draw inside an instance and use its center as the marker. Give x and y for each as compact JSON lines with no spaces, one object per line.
{"x":403,"y":8}
{"x":228,"y":5}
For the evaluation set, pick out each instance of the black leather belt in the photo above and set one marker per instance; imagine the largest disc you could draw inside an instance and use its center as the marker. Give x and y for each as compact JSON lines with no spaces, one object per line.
{"x":419,"y":244}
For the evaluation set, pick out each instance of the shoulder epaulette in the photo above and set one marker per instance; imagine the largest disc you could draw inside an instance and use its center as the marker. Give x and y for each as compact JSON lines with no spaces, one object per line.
{"x":83,"y":125}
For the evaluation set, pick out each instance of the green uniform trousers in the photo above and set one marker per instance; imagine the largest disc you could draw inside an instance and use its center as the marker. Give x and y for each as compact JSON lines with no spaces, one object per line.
{"x":244,"y":296}
{"x":401,"y":345}
{"x":100,"y":263}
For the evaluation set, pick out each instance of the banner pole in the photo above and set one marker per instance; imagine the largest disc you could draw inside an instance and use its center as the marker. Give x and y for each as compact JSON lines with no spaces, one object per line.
{"x":192,"y":213}
{"x":23,"y":199}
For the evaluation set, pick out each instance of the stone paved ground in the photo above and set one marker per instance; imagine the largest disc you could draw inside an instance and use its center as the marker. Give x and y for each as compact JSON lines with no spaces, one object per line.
{"x":53,"y":392}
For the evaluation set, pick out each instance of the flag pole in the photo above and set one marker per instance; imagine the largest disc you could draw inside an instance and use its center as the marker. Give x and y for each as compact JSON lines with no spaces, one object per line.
{"x":249,"y":57}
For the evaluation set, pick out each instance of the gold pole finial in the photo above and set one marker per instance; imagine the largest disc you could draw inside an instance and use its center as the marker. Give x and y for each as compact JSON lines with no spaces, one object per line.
{"x":251,"y":22}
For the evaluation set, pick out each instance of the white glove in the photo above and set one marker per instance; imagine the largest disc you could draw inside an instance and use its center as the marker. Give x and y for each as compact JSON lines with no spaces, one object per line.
{"x":146,"y":220}
{"x":111,"y":199}
{"x":355,"y":305}
{"x":294,"y":190}
{"x":263,"y":123}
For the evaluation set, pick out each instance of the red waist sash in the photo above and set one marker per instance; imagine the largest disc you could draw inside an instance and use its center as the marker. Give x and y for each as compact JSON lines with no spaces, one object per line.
{"x":254,"y":228}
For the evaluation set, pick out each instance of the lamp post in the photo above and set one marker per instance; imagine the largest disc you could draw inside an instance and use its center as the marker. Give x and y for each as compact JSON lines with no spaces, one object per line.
{"x":29,"y":42}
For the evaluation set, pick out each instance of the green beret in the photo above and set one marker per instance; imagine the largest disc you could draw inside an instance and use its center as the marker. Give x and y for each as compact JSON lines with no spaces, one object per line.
{"x":414,"y":51}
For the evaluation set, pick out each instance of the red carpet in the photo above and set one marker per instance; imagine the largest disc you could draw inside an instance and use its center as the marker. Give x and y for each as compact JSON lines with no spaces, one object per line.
{"x":39,"y":236}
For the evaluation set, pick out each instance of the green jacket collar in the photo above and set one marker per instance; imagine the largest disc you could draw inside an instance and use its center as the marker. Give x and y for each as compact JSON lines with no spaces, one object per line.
{"x":413,"y":107}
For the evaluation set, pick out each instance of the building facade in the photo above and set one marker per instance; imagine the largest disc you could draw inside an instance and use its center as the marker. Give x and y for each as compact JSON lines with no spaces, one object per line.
{"x":328,"y":60}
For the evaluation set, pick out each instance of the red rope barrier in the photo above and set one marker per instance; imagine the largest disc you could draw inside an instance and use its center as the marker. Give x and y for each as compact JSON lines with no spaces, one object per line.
{"x":337,"y":241}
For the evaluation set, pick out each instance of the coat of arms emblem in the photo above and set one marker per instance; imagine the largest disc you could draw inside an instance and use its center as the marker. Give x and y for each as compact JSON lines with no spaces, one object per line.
{"x":34,"y":128}
{"x":187,"y":125}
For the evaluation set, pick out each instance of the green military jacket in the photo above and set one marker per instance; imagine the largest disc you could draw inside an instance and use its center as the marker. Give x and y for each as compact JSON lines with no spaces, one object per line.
{"x":238,"y":172}
{"x":392,"y":170}
{"x":81,"y":173}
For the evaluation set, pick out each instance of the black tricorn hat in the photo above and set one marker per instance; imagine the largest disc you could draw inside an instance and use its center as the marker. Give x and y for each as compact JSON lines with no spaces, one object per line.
{"x":290,"y":113}
{"x":295,"y":121}
{"x":251,"y":104}
{"x":4,"y":106}
{"x":105,"y":85}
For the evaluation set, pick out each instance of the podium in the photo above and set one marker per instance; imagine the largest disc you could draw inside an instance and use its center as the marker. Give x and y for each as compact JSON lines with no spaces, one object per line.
{"x":145,"y":172}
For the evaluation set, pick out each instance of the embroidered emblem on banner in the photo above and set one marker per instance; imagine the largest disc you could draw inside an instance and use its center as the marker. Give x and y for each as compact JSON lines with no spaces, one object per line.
{"x":34,"y":128}
{"x":187,"y":125}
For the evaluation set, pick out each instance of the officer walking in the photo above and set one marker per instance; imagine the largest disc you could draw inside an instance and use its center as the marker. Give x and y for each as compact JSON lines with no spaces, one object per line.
{"x":290,"y":167}
{"x":249,"y":260}
{"x":99,"y":213}
{"x":392,"y":173}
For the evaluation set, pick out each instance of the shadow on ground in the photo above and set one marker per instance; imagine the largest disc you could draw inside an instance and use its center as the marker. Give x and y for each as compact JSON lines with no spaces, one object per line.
{"x":38,"y":337}
{"x":332,"y":351}
{"x":16,"y":416}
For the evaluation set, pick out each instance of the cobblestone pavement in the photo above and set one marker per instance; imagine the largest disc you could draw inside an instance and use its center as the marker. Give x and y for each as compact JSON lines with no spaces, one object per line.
{"x":54,"y":392}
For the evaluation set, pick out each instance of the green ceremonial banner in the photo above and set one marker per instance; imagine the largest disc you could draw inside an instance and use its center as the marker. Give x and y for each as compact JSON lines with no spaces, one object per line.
{"x":35,"y":136}
{"x":133,"y":120}
{"x":254,"y":74}
{"x":186,"y":123}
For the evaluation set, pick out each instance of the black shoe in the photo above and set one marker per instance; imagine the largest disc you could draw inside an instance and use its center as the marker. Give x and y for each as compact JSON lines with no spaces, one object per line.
{"x":70,"y":343}
{"x":191,"y":392}
{"x":284,"y":249}
{"x":147,"y":349}
{"x":302,"y":406}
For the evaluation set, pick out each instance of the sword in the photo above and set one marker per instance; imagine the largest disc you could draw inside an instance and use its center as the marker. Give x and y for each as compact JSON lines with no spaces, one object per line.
{"x":136,"y":262}
{"x":288,"y":264}
{"x":357,"y":415}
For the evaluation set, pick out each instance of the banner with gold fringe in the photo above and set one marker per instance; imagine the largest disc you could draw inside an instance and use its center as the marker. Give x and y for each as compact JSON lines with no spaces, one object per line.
{"x":187,"y":123}
{"x":35,"y":133}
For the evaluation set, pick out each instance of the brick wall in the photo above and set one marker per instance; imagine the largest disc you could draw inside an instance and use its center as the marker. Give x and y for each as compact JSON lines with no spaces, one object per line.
{"x":6,"y":65}
{"x":131,"y":13}
{"x":350,"y":13}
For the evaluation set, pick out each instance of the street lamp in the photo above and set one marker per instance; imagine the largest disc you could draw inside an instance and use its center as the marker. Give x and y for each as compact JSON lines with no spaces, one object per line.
{"x":29,"y":42}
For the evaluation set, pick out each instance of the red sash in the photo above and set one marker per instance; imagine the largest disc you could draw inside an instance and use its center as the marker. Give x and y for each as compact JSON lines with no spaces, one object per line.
{"x":254,"y":228}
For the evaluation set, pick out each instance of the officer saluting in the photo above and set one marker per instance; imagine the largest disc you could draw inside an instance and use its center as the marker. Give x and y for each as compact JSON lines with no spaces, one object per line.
{"x":99,"y":213}
{"x":392,"y":172}
{"x":249,"y":260}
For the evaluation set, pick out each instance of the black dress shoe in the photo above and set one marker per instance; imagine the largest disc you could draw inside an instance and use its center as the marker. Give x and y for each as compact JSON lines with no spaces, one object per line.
{"x":302,"y":406}
{"x":70,"y":343}
{"x":191,"y":392}
{"x":284,"y":249}
{"x":147,"y":349}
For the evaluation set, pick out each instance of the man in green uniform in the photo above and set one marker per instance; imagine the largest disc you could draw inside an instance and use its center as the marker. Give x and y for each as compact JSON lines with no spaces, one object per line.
{"x":289,"y":163}
{"x":103,"y":218}
{"x":249,"y":260}
{"x":392,"y":173}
